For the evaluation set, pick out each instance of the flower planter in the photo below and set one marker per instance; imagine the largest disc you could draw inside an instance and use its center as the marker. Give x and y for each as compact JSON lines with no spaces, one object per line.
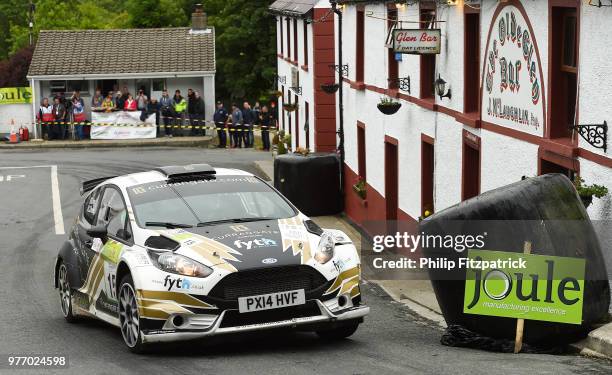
{"x":277,"y":94}
{"x":389,"y":109}
{"x":361,"y":192}
{"x":586,"y":200}
{"x":289,"y":107}
{"x":330,"y":88}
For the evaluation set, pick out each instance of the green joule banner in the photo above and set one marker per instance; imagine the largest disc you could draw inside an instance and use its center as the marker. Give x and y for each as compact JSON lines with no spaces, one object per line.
{"x":547,"y":288}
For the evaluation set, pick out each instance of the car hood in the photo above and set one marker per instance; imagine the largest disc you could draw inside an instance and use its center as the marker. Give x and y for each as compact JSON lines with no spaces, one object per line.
{"x":243,"y":246}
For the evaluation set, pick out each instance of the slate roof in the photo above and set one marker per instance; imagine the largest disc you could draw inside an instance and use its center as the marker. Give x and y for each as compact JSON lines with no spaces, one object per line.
{"x":123,"y":51}
{"x":292,"y":7}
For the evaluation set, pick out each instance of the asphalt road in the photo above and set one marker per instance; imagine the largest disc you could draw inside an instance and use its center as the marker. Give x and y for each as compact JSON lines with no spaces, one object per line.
{"x":391,"y":341}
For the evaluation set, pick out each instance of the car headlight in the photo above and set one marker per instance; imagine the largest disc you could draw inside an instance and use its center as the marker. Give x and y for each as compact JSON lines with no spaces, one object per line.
{"x":325,"y":250}
{"x":174,"y":263}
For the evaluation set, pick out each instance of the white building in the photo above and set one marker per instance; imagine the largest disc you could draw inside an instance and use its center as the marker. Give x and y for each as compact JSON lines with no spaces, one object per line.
{"x":508,"y":114}
{"x":152,"y":59}
{"x":305,"y":51}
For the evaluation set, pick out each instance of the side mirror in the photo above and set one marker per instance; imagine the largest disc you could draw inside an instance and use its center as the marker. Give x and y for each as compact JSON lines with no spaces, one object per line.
{"x":99,"y":231}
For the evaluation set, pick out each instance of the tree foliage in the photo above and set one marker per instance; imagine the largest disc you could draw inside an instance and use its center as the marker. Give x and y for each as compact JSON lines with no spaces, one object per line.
{"x":245,"y":32}
{"x":13,"y":71}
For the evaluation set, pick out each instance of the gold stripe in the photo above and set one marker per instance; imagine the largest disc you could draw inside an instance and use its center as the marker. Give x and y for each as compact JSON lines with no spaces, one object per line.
{"x":341,"y":277}
{"x":349,"y":284}
{"x":167,"y":306}
{"x":355,"y":292}
{"x":145,"y":312}
{"x":180,"y":298}
{"x":92,"y":275}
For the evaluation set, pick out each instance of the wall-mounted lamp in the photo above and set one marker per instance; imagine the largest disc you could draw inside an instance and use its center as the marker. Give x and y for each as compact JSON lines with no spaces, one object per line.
{"x":441,"y":87}
{"x":400,"y":5}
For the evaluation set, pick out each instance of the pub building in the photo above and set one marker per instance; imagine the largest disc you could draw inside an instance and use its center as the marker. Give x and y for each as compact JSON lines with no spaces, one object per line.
{"x":489,"y":92}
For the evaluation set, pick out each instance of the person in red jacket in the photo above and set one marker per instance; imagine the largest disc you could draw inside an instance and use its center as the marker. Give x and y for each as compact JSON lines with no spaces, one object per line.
{"x":130,"y":104}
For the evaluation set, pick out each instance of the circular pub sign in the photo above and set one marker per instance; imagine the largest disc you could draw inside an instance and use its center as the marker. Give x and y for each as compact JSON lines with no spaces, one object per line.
{"x":513,"y":87}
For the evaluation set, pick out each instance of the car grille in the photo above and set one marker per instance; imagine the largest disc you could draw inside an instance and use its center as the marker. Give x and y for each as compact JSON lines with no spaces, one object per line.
{"x":269,"y":280}
{"x":233,"y":318}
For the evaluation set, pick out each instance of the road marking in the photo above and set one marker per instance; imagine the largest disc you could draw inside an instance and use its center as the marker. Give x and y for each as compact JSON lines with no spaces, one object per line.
{"x":11,"y":177}
{"x":58,"y":217}
{"x":57,"y":205}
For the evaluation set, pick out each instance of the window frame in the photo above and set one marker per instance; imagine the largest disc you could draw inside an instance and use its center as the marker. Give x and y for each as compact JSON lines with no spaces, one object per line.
{"x":566,"y":15}
{"x":127,"y":225}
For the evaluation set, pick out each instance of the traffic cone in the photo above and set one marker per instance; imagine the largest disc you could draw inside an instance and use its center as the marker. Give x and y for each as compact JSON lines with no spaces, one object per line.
{"x":13,"y":138}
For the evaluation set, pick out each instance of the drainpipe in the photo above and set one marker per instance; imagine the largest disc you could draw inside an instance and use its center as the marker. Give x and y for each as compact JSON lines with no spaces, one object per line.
{"x":334,"y":4}
{"x":34,"y":95}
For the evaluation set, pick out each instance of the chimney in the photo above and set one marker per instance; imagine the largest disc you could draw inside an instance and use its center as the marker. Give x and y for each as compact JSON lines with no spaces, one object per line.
{"x":198,"y":18}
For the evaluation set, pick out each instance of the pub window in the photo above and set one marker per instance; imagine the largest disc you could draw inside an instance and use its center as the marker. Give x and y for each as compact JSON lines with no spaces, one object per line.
{"x":80,"y":85}
{"x":393,"y":66}
{"x":159,"y":84}
{"x":288,"y":37}
{"x":427,"y":175}
{"x":57,"y":87}
{"x":471,"y":62}
{"x":564,"y":68}
{"x":305,"y":42}
{"x":307,"y":124}
{"x":427,"y":76}
{"x":471,"y":171}
{"x":282,"y":42}
{"x":361,"y":151}
{"x":295,"y":39}
{"x":360,"y":48}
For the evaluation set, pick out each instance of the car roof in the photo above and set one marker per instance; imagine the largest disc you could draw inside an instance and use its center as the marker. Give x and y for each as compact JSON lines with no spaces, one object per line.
{"x":157,"y":176}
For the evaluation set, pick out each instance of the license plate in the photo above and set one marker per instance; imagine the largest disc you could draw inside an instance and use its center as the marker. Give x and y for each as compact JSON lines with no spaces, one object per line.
{"x":271,"y":301}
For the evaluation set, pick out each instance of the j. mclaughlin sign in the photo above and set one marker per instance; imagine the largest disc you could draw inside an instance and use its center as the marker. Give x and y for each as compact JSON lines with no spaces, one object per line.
{"x":512,"y":93}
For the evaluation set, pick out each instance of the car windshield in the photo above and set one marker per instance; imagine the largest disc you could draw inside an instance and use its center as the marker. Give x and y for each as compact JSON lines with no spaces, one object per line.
{"x":202,"y":202}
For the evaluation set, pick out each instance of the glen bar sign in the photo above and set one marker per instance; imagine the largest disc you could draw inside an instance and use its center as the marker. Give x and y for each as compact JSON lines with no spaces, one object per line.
{"x":416,"y":41}
{"x":513,"y":88}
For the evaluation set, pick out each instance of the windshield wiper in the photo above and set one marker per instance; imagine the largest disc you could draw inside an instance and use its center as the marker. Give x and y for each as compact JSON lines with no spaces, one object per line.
{"x":167,"y":225}
{"x":239,"y":220}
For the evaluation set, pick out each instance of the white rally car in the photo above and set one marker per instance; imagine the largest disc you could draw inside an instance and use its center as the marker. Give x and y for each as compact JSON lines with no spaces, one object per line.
{"x":185,"y":252}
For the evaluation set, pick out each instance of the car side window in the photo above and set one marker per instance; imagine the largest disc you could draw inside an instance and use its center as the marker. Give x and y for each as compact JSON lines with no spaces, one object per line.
{"x":113,"y":214}
{"x":91,"y":206}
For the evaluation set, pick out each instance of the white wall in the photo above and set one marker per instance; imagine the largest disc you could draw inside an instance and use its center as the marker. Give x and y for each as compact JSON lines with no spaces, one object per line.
{"x":15,"y":115}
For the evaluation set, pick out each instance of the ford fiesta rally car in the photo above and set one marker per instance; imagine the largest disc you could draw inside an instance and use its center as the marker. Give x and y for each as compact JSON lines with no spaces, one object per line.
{"x":190,"y":251}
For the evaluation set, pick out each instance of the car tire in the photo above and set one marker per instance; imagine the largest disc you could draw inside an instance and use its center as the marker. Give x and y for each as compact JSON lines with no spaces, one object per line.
{"x":129,"y":320}
{"x":339,"y":333}
{"x":65,"y":293}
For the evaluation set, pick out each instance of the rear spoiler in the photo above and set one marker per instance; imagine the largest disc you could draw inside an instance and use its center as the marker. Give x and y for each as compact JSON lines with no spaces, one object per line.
{"x":89,"y":185}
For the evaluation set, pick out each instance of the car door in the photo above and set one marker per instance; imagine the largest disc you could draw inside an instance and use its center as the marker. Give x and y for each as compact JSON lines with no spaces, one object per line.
{"x":84,"y":242}
{"x":114,"y":216}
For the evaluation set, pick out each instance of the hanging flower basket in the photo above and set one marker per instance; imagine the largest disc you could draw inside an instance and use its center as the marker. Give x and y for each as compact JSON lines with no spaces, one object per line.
{"x":389,"y":108}
{"x":289,"y":107}
{"x":360,"y":189}
{"x":276,"y":93}
{"x":330,"y":88}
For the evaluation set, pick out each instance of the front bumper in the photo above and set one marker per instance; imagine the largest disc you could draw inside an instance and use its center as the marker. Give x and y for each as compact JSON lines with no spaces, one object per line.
{"x":326,"y":316}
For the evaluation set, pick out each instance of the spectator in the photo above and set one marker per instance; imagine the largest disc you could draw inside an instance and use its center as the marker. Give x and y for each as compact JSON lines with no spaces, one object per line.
{"x":45,"y":115}
{"x":59,"y":116}
{"x":151,"y":109}
{"x":249,"y":120}
{"x":78,"y":114}
{"x":198,"y":115}
{"x":142,"y":100}
{"x":220,"y":119}
{"x":274,"y":114}
{"x":180,"y":108}
{"x":167,"y":109}
{"x":130,"y":104}
{"x":265,"y":120}
{"x":191,"y":107}
{"x":119,"y":102}
{"x":108,"y":104}
{"x":97,"y":99}
{"x":237,"y":121}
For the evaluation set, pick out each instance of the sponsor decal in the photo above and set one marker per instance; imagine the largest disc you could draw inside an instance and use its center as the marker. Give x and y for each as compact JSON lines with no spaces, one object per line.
{"x":111,"y":251}
{"x":254,"y":244}
{"x":338,"y":265}
{"x":15,"y":95}
{"x":179,"y":283}
{"x":239,"y":228}
{"x":549,"y":288}
{"x":512,"y":93}
{"x":269,"y":261}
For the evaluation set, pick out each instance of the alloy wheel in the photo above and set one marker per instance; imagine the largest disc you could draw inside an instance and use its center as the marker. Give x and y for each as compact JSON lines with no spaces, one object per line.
{"x":64,"y":291}
{"x":128,"y":315}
